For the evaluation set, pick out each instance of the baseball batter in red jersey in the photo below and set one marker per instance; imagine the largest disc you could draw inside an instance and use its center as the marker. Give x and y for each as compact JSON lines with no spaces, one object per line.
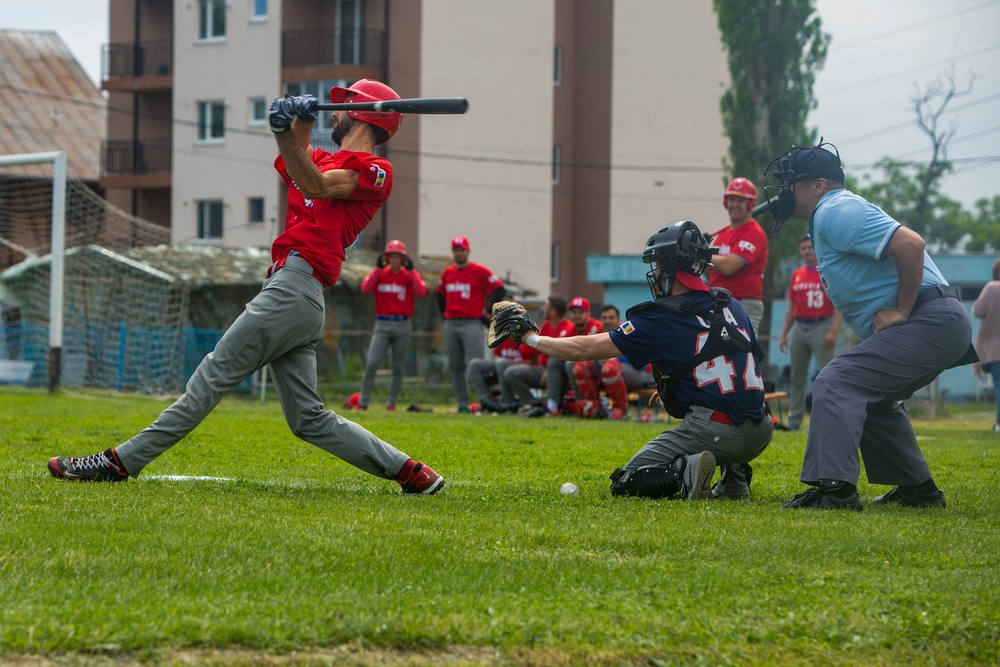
{"x":814,"y":325}
{"x":739,"y":266}
{"x":331,"y":199}
{"x":395,"y":283}
{"x":466,"y":295}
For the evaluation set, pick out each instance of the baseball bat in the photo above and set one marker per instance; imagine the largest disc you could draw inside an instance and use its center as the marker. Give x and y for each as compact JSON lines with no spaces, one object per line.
{"x":760,"y":208}
{"x":440,"y":105}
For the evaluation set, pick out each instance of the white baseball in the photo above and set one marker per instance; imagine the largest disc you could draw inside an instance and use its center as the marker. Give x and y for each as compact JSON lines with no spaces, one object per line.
{"x":568,"y":489}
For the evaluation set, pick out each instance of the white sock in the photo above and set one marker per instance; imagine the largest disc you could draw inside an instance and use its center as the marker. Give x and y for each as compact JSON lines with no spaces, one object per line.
{"x":552,"y":405}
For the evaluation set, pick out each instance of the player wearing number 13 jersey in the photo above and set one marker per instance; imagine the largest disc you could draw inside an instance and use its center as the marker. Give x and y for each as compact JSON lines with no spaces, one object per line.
{"x":707,"y":365}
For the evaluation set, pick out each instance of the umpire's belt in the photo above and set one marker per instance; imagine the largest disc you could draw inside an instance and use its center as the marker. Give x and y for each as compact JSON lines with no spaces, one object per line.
{"x":937,"y":292}
{"x":393,"y":318}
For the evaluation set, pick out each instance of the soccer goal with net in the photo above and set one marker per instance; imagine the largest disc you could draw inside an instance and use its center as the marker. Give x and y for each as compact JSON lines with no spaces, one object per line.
{"x":79,"y":307}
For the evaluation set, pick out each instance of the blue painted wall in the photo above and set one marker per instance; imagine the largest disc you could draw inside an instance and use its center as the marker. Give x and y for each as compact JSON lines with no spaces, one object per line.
{"x":624,"y":280}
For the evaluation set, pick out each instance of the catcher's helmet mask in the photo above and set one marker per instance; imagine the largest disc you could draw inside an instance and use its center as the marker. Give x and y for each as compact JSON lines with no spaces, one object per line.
{"x":796,"y":165}
{"x":680,"y":247}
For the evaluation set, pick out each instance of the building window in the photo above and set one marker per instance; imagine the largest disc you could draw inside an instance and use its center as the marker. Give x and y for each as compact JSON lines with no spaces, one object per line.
{"x":258,"y":110}
{"x":556,"y":163}
{"x":258,"y":10}
{"x":350,"y":24}
{"x":323,"y":125}
{"x":211,"y":19}
{"x":210,"y":220}
{"x":211,"y":122}
{"x":255,"y":210}
{"x":554,"y":262}
{"x":557,"y":65}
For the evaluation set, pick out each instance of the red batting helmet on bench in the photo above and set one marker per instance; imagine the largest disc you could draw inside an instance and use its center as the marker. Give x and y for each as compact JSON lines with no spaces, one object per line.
{"x":369,"y":90}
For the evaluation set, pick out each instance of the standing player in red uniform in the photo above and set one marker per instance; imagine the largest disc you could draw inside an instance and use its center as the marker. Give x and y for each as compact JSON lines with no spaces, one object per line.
{"x":331,"y":199}
{"x":739,"y":266}
{"x":395,"y":283}
{"x":814,"y":334}
{"x":466,"y":295}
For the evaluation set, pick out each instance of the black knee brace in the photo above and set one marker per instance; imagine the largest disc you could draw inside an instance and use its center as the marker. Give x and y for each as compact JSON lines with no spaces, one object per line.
{"x":652,"y":481}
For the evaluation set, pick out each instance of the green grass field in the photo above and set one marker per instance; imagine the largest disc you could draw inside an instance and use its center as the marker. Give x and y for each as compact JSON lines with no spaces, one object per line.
{"x":301,"y":559}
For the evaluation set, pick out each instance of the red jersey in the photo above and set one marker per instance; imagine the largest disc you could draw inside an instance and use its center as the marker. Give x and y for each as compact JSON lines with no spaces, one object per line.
{"x":749,"y":242}
{"x":592,"y":327}
{"x":320,"y":229}
{"x":394,"y":292}
{"x":807,"y":296}
{"x":465,"y":290}
{"x":515,"y":352}
{"x":561,"y":330}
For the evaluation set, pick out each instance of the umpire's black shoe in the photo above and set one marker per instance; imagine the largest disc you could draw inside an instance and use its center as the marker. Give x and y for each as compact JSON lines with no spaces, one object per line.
{"x":909,"y":497}
{"x":820,"y":498}
{"x":102,"y":467}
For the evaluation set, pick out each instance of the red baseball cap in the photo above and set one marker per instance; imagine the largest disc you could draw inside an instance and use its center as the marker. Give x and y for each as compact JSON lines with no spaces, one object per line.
{"x":580,"y":302}
{"x":691,"y":281}
{"x":460,"y":242}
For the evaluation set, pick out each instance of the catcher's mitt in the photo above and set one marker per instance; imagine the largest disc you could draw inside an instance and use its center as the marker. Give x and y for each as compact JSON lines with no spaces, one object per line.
{"x":510,"y":320}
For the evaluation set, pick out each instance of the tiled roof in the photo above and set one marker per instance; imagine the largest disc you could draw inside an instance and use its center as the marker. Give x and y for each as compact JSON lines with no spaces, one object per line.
{"x":47,"y":102}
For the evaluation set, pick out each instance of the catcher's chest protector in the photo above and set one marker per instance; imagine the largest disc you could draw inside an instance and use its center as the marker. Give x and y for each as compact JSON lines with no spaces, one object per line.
{"x":723,"y":338}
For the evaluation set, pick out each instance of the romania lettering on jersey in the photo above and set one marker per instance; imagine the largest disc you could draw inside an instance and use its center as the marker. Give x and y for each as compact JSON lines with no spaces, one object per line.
{"x":389,"y":288}
{"x":463,"y":289}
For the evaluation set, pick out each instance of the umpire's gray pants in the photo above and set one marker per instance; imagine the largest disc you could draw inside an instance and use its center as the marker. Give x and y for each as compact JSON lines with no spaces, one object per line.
{"x":391,"y":336}
{"x":280,"y":327}
{"x":465,"y":340}
{"x":805,"y":341}
{"x":856,"y":398}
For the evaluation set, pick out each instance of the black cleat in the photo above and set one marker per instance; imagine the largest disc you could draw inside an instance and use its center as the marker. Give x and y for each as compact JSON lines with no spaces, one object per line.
{"x":910,"y":498}
{"x":816,"y":498}
{"x":102,"y":467}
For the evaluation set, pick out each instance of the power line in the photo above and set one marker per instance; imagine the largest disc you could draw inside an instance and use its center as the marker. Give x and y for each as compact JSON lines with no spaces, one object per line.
{"x":842,"y":89}
{"x":902,"y":29}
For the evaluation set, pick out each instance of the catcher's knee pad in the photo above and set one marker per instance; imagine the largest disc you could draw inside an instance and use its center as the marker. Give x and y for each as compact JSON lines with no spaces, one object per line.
{"x":590,"y":410}
{"x":611,"y":371}
{"x":586,"y":383}
{"x":652,"y":481}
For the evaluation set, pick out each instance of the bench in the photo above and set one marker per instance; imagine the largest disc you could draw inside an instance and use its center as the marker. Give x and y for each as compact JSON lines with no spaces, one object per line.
{"x":777,"y":397}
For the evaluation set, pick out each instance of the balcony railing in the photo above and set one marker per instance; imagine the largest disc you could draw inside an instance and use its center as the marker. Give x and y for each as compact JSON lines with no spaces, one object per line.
{"x":134,"y":59}
{"x":146,"y":156}
{"x":333,"y":46}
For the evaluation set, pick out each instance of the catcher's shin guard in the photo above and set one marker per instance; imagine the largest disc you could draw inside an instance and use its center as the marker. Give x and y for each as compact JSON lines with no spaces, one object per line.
{"x":652,"y":481}
{"x":614,"y":383}
{"x":586,"y":383}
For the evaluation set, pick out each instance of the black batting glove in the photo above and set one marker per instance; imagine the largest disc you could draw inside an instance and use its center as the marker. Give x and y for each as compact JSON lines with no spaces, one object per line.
{"x":304,"y":108}
{"x":380,"y":262}
{"x":280,"y":115}
{"x":408,"y":263}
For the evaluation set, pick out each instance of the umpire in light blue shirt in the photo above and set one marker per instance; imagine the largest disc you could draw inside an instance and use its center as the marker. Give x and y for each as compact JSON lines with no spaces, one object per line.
{"x":912,"y":326}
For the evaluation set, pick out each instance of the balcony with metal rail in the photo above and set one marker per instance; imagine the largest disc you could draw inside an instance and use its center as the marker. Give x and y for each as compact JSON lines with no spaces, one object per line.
{"x":135,"y":164}
{"x":131,"y":66}
{"x":333,"y":53}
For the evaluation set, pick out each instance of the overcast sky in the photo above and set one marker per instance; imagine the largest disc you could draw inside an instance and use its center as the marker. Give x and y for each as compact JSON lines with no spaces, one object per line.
{"x":881,"y":50}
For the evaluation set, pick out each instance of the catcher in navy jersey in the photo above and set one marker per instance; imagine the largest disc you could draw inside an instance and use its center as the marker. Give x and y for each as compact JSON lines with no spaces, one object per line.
{"x":706,"y":361}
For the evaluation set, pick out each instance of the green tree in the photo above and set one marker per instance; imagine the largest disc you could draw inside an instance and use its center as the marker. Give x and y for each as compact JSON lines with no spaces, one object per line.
{"x":982,"y":227}
{"x":774,"y":50}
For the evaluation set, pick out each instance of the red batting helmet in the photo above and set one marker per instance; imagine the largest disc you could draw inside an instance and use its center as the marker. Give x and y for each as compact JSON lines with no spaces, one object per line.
{"x":395,"y":246}
{"x":369,"y":90}
{"x":741,"y":187}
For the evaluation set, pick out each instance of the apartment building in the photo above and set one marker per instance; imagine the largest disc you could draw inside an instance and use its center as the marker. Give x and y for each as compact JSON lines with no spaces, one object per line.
{"x":591,"y":123}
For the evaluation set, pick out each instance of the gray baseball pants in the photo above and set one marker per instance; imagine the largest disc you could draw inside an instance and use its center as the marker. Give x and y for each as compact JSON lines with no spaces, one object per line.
{"x":754,"y":309}
{"x":465,"y":340}
{"x":476,"y":376}
{"x":281,"y":326}
{"x":520,"y":379}
{"x":391,"y":336}
{"x":805,"y":341}
{"x":856,"y":398}
{"x":731,"y":444}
